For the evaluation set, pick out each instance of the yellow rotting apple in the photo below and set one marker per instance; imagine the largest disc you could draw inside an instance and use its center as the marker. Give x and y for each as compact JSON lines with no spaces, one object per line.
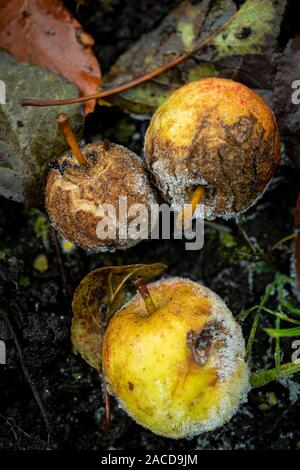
{"x":218,"y":135}
{"x":174,"y":359}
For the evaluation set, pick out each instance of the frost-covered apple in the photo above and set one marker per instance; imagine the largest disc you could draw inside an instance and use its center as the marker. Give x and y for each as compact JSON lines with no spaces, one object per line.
{"x":218,"y":135}
{"x":175,"y":360}
{"x":99,"y":175}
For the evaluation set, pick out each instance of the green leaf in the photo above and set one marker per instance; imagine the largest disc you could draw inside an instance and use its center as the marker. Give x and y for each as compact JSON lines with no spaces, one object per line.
{"x":290,"y":308}
{"x":100,"y":294}
{"x":267,"y":376}
{"x":287,"y":332}
{"x":29,"y":138}
{"x":176,"y":34}
{"x":251,"y":30}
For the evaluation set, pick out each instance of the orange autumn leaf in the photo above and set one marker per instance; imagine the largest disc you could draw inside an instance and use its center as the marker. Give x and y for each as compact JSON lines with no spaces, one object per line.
{"x":44,"y":33}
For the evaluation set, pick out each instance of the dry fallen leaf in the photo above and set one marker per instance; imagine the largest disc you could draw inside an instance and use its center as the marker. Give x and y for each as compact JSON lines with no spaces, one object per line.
{"x":241,"y":51}
{"x":97,"y":297}
{"x":44,"y":33}
{"x":286,"y":110}
{"x":29,"y":137}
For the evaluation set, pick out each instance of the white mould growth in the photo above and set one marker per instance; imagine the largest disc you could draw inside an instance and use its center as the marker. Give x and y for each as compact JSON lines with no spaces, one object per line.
{"x":175,"y":187}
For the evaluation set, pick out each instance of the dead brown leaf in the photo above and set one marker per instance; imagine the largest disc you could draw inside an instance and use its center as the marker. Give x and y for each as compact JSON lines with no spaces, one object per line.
{"x":100,"y":294}
{"x":288,"y":112}
{"x":44,"y":33}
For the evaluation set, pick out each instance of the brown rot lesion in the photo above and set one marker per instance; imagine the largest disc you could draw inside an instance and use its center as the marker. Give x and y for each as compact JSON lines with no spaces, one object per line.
{"x":210,"y":338}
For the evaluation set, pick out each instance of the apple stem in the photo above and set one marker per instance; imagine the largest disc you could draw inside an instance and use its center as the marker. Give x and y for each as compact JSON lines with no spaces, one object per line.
{"x":145,"y":294}
{"x":65,"y":128}
{"x":184,"y":218}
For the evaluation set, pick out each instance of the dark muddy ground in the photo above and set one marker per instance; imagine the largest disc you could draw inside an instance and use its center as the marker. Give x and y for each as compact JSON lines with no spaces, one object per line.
{"x":40,"y":312}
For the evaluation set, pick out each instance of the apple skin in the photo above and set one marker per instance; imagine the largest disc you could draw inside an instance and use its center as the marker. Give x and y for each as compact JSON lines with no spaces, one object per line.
{"x":152,"y":371}
{"x":215,"y":133}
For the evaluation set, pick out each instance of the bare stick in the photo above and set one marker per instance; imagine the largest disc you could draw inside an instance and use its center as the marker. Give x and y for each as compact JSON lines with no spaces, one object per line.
{"x":134,"y":82}
{"x":64,"y":125}
{"x":107,"y":418}
{"x":26,"y":372}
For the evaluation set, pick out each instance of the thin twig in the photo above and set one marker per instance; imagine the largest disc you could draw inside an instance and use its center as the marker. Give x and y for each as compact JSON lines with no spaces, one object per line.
{"x":107,"y":417}
{"x":9,"y":421}
{"x":137,"y":81}
{"x":247,"y":239}
{"x":26,"y":372}
{"x":65,"y":281}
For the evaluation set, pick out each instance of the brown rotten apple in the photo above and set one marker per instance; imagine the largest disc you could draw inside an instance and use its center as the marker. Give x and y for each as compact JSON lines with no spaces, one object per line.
{"x":174,"y":359}
{"x":82,"y":180}
{"x":215,"y":136}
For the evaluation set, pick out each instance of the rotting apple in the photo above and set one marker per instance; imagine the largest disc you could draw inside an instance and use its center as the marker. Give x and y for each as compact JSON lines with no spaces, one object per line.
{"x":174,"y":359}
{"x":82,"y":180}
{"x":218,"y":135}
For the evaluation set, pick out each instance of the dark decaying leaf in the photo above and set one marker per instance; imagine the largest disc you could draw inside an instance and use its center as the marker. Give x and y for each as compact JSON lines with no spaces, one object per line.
{"x":29,"y":137}
{"x":97,"y":297}
{"x":287,"y":111}
{"x":297,"y":213}
{"x":243,"y":50}
{"x":44,"y":33}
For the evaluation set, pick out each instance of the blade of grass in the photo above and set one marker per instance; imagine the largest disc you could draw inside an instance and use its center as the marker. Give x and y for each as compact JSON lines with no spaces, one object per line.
{"x":286,"y":332}
{"x":281,"y":280}
{"x":277,"y":355}
{"x":244,"y":314}
{"x":290,"y":307}
{"x":281,"y":316}
{"x":252,"y":334}
{"x":268,"y":292}
{"x":285,"y":370}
